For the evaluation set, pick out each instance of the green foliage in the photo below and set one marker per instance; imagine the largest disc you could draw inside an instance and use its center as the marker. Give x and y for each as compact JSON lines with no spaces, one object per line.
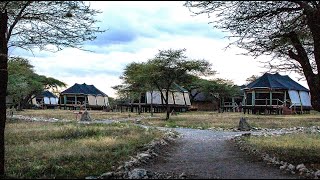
{"x":161,"y":72}
{"x":23,"y":82}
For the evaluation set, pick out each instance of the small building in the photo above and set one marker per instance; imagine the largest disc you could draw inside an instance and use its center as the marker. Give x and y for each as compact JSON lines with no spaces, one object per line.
{"x":202,"y":102}
{"x":45,"y":100}
{"x":178,"y":100}
{"x":274,"y":93}
{"x":233,"y":103}
{"x":81,"y":96}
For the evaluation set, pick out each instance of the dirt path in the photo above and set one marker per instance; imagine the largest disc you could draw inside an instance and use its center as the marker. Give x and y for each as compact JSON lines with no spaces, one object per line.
{"x":205,"y":154}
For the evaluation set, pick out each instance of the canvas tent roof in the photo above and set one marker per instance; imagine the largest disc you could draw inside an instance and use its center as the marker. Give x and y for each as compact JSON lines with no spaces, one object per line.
{"x":276,"y":81}
{"x":179,"y":88}
{"x":83,"y":89}
{"x":47,"y":94}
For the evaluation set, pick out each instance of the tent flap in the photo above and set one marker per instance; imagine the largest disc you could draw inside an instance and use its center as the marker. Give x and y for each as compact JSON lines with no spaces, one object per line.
{"x":294,"y":96}
{"x":305,"y":98}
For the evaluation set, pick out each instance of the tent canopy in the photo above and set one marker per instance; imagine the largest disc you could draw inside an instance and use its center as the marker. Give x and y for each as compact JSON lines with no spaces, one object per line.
{"x":83,"y":89}
{"x":276,"y":81}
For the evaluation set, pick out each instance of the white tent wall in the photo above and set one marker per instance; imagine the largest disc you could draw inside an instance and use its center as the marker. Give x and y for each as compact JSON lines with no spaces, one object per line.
{"x":170,"y":97}
{"x":305,"y":98}
{"x":187,"y":98}
{"x":92,"y":100}
{"x":178,"y":98}
{"x":46,"y":100}
{"x":53,"y":101}
{"x":156,"y":97}
{"x":294,"y":96}
{"x":34,"y":101}
{"x":106,"y":101}
{"x":100,"y":101}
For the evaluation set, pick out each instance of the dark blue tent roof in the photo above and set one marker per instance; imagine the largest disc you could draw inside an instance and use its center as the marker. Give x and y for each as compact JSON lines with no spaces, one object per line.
{"x":47,"y":94}
{"x":83,"y":89}
{"x":276,"y":81}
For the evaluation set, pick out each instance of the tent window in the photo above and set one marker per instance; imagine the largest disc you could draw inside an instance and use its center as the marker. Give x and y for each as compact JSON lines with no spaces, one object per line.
{"x":249,"y":98}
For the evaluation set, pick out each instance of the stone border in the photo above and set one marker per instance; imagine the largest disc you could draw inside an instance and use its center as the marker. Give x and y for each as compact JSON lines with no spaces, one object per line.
{"x":300,"y":169}
{"x":128,"y":169}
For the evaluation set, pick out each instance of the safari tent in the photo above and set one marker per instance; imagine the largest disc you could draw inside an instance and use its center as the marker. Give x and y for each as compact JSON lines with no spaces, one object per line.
{"x":274,"y":93}
{"x":83,"y":96}
{"x":179,"y":100}
{"x":45,"y":100}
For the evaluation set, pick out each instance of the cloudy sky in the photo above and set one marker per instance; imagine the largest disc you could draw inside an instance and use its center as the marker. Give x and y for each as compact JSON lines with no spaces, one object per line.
{"x":136,"y":31}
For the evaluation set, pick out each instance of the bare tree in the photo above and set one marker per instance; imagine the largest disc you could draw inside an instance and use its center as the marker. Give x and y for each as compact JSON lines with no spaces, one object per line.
{"x":286,"y":30}
{"x":47,"y":25}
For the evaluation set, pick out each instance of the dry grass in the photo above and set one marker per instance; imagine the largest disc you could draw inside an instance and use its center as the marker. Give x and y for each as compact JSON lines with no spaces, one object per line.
{"x":294,"y":148}
{"x":70,"y":150}
{"x":206,"y":120}
{"x":70,"y":115}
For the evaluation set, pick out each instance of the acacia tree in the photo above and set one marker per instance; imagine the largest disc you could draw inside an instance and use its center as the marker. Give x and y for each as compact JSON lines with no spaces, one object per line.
{"x":172,"y":66}
{"x":47,"y":25}
{"x":136,"y":80}
{"x":24,"y":83}
{"x":286,"y":30}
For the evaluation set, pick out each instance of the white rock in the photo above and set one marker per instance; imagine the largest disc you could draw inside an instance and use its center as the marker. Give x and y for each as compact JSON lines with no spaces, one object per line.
{"x":137,"y":174}
{"x":317,"y":174}
{"x":291,"y":167}
{"x":283,"y":167}
{"x":300,"y":166}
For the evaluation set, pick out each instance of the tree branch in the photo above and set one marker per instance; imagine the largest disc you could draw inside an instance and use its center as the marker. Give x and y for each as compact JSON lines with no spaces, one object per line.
{"x":17,"y":19}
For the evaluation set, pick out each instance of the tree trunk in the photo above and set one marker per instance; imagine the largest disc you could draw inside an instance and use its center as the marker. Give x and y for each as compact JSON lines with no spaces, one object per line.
{"x":167,"y":105}
{"x":3,"y":85}
{"x":313,"y":79}
{"x":151,"y":107}
{"x":139,"y":107}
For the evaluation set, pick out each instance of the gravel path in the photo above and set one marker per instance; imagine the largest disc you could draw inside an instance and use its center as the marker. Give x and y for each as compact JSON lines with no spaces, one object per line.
{"x":206,"y":154}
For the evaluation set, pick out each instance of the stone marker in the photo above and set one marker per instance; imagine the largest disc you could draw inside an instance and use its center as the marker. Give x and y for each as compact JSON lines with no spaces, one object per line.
{"x":85,"y":116}
{"x":244,"y":125}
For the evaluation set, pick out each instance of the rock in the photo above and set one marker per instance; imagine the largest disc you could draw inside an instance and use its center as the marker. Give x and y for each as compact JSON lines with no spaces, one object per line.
{"x":317,"y":174}
{"x":137,"y":174}
{"x":90,"y":177}
{"x":300,"y":166}
{"x":244,"y":125}
{"x":108,"y":175}
{"x":183,"y":175}
{"x":291,"y":167}
{"x":283,"y":167}
{"x":85,"y":116}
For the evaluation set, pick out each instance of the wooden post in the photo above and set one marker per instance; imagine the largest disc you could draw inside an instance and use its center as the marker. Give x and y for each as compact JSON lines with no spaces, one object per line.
{"x":270,"y":98}
{"x":253,"y":103}
{"x":75,"y":101}
{"x":65,"y":101}
{"x":285,"y":98}
{"x":233,"y":107}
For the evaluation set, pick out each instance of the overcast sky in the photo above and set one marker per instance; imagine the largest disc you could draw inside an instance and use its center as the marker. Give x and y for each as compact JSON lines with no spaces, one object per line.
{"x":136,"y":31}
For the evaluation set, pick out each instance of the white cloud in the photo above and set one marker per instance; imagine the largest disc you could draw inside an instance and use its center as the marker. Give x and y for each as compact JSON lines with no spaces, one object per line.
{"x":137,"y":31}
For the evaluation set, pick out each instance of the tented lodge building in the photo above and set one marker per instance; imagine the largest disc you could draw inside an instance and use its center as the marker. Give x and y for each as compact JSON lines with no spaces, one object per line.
{"x":45,"y":100}
{"x":274,"y":93}
{"x":83,"y":96}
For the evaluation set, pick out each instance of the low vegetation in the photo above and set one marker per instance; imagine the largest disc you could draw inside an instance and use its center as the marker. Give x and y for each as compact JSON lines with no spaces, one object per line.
{"x":294,"y":148}
{"x":70,"y":150}
{"x":205,"y":120}
{"x":71,"y":114}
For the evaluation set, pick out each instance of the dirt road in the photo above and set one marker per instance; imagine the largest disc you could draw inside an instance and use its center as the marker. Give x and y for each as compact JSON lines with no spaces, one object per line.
{"x":206,"y":154}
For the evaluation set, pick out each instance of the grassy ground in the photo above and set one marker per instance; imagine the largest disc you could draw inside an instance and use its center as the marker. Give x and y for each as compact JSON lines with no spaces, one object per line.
{"x":205,"y":120}
{"x":58,"y":150}
{"x":70,"y":150}
{"x":70,"y":115}
{"x":293,"y":148}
